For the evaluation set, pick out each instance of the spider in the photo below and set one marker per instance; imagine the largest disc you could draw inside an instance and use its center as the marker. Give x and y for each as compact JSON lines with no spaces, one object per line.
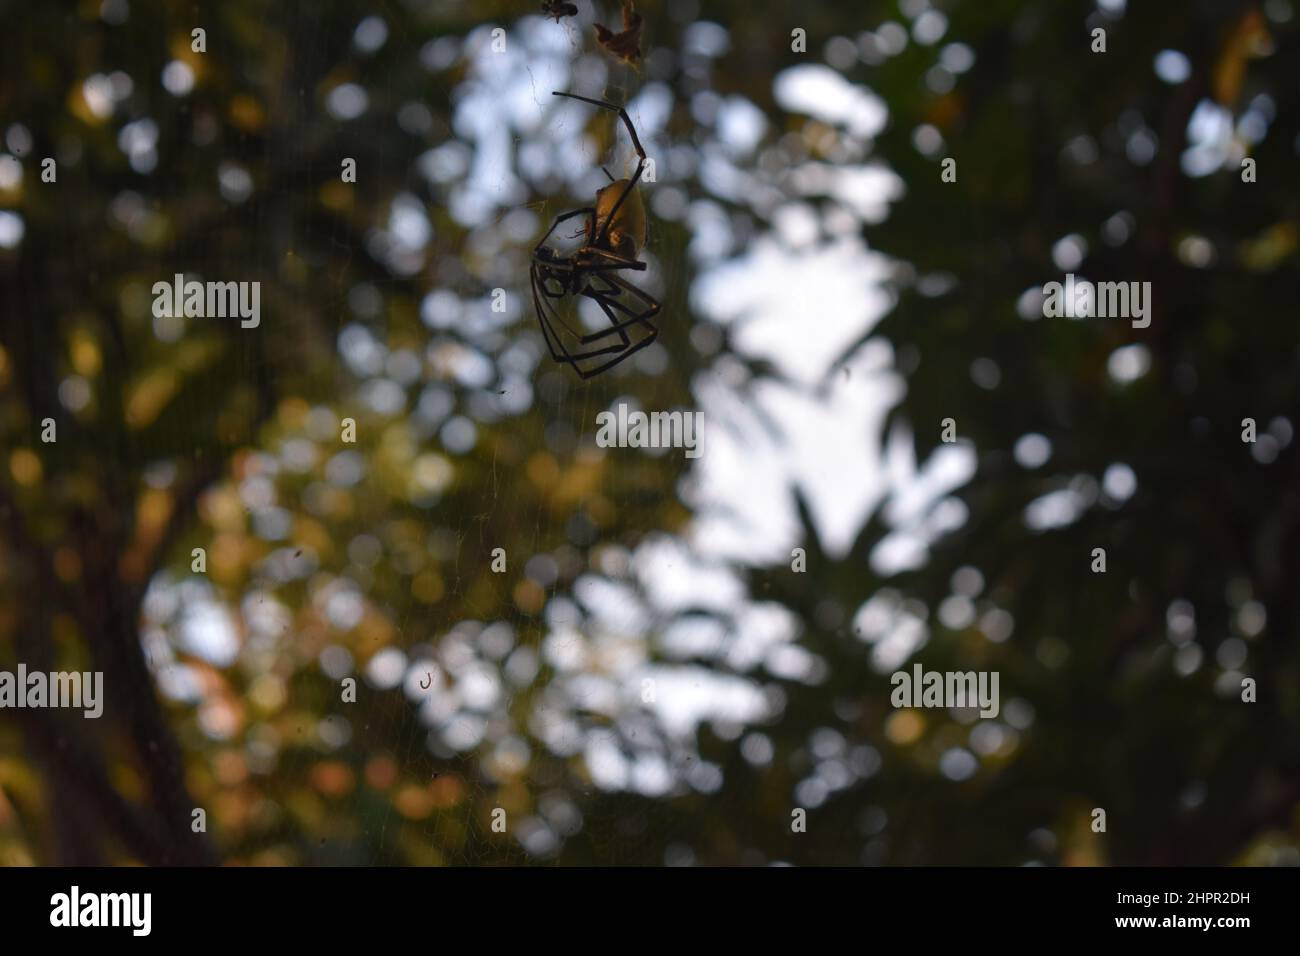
{"x":614,"y":232}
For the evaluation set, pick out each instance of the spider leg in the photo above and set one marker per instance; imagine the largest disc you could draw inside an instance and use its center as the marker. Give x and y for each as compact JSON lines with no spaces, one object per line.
{"x":637,"y":319}
{"x":614,"y":261}
{"x":652,"y":305}
{"x":559,"y":330}
{"x":574,"y":360}
{"x":609,"y":302}
{"x":553,"y":343}
{"x":610,"y":299}
{"x":606,"y":105}
{"x":547,"y":314}
{"x":615,"y":329}
{"x":636,"y":144}
{"x":593,"y":292}
{"x":563,"y":218}
{"x":542,"y":255}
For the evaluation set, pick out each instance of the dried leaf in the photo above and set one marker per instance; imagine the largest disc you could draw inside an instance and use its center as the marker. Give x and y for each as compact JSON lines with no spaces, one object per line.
{"x":626,"y":45}
{"x":1249,"y":39}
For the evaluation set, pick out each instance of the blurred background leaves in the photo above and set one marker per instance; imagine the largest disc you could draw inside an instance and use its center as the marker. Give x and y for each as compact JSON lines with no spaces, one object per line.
{"x":649,"y":681}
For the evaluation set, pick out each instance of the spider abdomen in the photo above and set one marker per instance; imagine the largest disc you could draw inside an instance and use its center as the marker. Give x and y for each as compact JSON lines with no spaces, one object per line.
{"x":627,"y":229}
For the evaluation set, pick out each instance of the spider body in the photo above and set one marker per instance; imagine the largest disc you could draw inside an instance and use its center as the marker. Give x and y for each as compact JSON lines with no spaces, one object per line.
{"x":614,"y":233}
{"x":627,"y":225}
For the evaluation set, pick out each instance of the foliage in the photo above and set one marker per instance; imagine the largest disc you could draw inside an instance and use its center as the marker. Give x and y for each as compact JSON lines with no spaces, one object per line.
{"x":327,"y":559}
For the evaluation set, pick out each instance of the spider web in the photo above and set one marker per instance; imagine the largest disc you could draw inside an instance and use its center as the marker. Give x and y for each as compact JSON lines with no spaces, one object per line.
{"x":370,"y":561}
{"x":463,"y":744}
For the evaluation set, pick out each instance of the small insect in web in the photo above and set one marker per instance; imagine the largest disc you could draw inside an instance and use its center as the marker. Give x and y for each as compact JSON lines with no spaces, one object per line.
{"x":559,"y":9}
{"x":614,"y":232}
